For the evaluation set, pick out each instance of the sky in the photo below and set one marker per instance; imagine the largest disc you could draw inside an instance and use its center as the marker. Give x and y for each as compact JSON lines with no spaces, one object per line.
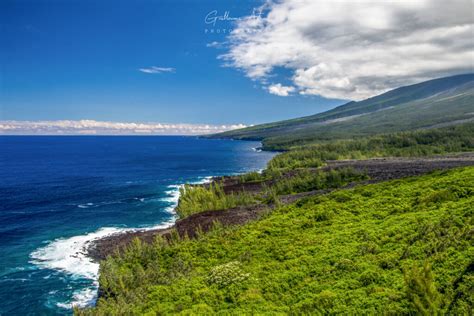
{"x":192,"y":67}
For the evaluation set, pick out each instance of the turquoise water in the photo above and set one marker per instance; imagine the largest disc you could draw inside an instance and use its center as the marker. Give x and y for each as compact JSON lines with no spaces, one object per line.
{"x":58,"y":193}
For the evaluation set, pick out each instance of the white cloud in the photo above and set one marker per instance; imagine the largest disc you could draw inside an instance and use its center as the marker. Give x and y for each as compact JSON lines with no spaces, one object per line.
{"x":91,"y":127}
{"x":157,"y":70}
{"x":215,"y":44}
{"x":278,"y":89}
{"x":354,"y":49}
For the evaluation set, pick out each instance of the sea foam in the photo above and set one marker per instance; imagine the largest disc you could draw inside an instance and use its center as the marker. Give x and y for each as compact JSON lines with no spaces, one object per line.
{"x":172,"y":195}
{"x":69,"y":255}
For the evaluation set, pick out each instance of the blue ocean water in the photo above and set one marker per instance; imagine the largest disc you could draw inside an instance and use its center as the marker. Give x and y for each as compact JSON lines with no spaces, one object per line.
{"x":58,"y":193}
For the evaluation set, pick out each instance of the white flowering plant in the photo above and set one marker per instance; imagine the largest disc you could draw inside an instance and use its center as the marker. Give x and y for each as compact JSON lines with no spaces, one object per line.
{"x":226,"y":274}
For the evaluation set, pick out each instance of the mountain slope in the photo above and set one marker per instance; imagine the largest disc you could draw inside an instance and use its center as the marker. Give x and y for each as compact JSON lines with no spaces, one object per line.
{"x":428,"y":104}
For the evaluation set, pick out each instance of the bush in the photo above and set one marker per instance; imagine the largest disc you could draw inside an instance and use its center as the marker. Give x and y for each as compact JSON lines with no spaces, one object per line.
{"x":251,"y":177}
{"x":348,"y":265}
{"x":407,"y":144}
{"x":421,"y":290}
{"x":226,"y":274}
{"x":195,"y":199}
{"x":309,"y":180}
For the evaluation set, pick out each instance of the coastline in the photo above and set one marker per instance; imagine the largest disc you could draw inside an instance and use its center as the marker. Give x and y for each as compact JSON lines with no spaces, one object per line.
{"x":99,"y":248}
{"x":71,"y":255}
{"x":130,"y":199}
{"x":376,"y":169}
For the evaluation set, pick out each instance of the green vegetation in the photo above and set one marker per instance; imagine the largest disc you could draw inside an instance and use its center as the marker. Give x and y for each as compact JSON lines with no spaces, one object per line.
{"x":309,"y":180}
{"x":195,"y":199}
{"x":430,"y":104}
{"x":400,"y":247}
{"x":252,"y":177}
{"x":451,"y":139}
{"x":422,"y":292}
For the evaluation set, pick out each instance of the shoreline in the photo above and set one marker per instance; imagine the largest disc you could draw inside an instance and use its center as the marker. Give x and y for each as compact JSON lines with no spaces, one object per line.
{"x":70,"y":255}
{"x":378,"y":170}
{"x":99,"y":248}
{"x":66,"y":256}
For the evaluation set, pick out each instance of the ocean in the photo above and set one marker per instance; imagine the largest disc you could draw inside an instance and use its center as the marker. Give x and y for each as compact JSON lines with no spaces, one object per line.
{"x":59,"y":192}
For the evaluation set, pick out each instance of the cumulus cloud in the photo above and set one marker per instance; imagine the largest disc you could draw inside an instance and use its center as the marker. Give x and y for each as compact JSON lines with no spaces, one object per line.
{"x":157,"y":70}
{"x":278,"y":89}
{"x":350,"y":49}
{"x":91,"y":127}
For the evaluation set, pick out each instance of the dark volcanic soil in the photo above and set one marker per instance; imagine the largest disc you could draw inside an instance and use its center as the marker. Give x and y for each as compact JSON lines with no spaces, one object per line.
{"x":381,"y":169}
{"x":101,"y":248}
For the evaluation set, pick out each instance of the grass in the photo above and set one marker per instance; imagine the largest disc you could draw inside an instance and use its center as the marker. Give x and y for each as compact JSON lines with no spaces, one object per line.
{"x":400,"y":247}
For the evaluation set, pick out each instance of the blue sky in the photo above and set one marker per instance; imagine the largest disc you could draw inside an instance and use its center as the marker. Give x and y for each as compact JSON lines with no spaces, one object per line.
{"x":73,"y":60}
{"x":80,"y":66}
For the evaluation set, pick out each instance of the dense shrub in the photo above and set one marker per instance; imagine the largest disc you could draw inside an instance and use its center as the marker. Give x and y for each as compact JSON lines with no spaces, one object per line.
{"x":421,"y":291}
{"x":195,"y":199}
{"x":226,"y":274}
{"x":309,"y":180}
{"x":252,"y":177}
{"x":381,"y":251}
{"x":413,"y":144}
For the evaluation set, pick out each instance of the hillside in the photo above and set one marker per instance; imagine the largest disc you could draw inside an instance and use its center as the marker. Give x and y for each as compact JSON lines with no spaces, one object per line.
{"x":433,"y":103}
{"x":354,"y":225}
{"x":402,"y":246}
{"x":311,"y":235}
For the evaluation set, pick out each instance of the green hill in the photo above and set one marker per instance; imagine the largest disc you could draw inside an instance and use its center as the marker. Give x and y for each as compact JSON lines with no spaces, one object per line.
{"x":402,"y":247}
{"x":434,"y":103}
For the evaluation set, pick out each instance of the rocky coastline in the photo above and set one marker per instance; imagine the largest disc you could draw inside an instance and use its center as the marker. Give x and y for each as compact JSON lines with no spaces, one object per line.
{"x":378,"y":169}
